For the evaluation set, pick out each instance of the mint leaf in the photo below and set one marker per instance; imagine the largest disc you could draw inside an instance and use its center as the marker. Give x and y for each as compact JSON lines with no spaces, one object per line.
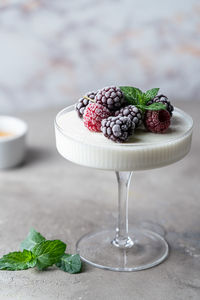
{"x":142,"y":107}
{"x":150,"y":94}
{"x":135,"y":96}
{"x":31,"y":240}
{"x":155,"y":106}
{"x":132,"y":94}
{"x":70,"y":263}
{"x":48,"y":253}
{"x":17,"y":261}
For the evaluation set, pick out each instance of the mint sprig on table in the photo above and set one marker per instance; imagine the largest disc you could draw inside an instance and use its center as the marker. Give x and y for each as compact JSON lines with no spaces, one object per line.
{"x":135,"y":96}
{"x":41,"y":253}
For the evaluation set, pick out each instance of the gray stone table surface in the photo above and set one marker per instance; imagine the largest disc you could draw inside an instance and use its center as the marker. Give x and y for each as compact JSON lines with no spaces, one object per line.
{"x":64,"y":200}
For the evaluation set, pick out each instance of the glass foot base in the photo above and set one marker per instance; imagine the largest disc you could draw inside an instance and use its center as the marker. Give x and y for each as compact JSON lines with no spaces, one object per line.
{"x":149,"y":249}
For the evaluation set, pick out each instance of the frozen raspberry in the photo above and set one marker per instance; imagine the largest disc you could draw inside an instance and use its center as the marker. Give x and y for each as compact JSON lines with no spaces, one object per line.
{"x":111,"y":97}
{"x":131,"y":112}
{"x":83,"y":103}
{"x":157,"y":121}
{"x":162,"y":99}
{"x":93,"y":115}
{"x":117,"y":129}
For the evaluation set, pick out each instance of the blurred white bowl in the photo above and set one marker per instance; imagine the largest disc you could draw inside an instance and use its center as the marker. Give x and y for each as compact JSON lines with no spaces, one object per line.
{"x":12,"y":145}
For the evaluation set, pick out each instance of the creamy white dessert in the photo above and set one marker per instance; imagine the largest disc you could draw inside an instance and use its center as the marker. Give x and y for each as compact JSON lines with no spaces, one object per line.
{"x":144,"y":150}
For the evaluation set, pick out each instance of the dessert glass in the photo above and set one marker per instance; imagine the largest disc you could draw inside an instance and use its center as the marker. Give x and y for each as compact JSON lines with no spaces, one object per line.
{"x":123,"y":249}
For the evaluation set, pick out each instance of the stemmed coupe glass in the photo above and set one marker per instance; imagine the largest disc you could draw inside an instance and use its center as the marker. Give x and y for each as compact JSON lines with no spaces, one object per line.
{"x":123,"y":249}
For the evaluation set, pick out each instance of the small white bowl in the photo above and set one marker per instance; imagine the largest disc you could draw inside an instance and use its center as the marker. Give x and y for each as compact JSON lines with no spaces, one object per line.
{"x":13,"y":146}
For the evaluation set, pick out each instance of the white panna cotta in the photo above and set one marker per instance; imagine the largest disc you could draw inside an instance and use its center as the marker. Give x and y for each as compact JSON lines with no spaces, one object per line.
{"x":144,"y":150}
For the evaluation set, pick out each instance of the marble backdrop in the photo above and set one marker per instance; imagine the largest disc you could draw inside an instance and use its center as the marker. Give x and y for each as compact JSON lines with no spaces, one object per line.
{"x":52,"y":51}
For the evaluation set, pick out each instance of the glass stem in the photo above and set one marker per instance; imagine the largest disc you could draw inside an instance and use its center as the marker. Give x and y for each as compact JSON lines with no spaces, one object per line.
{"x":122,"y":240}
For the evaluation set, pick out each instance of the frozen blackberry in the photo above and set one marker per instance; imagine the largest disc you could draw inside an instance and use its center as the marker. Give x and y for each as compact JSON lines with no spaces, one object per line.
{"x":111,"y":97}
{"x":83,"y":103}
{"x":133,"y":113}
{"x":117,"y":129}
{"x":157,"y":121}
{"x":162,"y":99}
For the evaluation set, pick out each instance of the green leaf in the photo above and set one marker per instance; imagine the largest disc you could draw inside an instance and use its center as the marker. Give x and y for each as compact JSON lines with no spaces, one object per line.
{"x":150,"y":94}
{"x":132,"y":94}
{"x":48,"y":253}
{"x":17,"y":261}
{"x":70,"y":263}
{"x":141,"y":107}
{"x":31,"y":240}
{"x":155,"y":106}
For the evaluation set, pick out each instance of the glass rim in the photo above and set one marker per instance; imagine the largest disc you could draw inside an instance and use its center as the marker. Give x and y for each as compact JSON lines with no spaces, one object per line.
{"x":128,"y":145}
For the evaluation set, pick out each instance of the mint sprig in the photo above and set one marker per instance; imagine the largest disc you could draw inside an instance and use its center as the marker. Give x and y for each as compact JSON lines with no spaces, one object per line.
{"x":135,"y":96}
{"x":41,"y":253}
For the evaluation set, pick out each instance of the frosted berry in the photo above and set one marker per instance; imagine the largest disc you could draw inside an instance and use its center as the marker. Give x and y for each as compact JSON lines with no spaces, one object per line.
{"x":117,"y":129}
{"x":83,"y":103}
{"x":133,"y":113}
{"x":162,"y":99}
{"x":157,"y":121}
{"x":111,"y":97}
{"x":93,"y":115}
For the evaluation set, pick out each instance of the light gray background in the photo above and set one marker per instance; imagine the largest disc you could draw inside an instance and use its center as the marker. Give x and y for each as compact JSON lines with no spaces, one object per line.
{"x":53,"y":51}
